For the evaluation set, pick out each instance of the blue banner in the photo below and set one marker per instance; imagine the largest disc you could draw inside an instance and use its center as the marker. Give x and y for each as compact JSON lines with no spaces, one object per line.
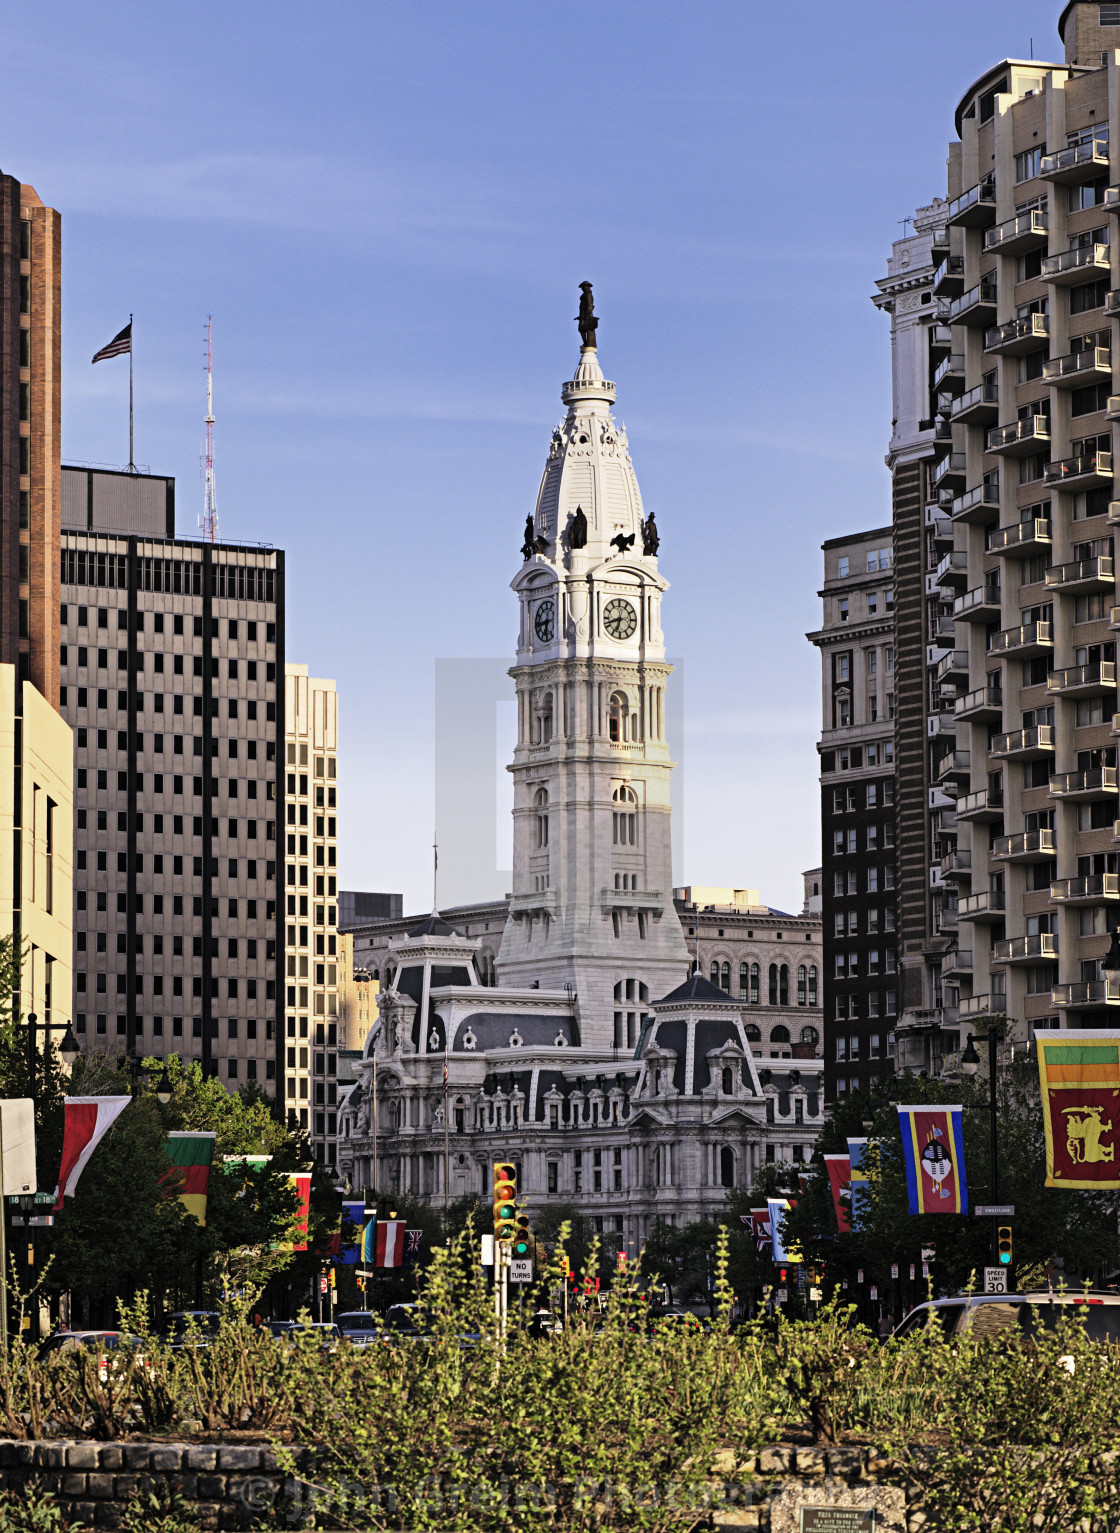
{"x":861,"y":1192}
{"x":354,"y":1215}
{"x":933,"y":1149}
{"x":778,"y":1208}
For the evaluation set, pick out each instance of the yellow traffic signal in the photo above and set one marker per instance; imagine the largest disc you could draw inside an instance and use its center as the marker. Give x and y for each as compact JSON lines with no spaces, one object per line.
{"x":1003,"y":1244}
{"x":505,"y":1196}
{"x":522,"y":1246}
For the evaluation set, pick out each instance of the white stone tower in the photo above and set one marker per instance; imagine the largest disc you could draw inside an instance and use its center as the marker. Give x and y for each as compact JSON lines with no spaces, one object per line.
{"x":592,"y":900}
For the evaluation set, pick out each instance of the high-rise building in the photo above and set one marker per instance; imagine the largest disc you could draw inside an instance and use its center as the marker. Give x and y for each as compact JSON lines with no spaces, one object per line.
{"x":171,"y":658}
{"x":30,"y":434}
{"x":311,"y":906}
{"x":1025,"y":299}
{"x":858,"y":885}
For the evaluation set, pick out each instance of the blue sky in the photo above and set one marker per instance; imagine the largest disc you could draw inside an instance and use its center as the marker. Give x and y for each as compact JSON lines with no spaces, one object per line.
{"x":388,"y":210}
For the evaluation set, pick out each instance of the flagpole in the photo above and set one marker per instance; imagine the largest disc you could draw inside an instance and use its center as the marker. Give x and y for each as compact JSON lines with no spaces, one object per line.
{"x":131,"y":453}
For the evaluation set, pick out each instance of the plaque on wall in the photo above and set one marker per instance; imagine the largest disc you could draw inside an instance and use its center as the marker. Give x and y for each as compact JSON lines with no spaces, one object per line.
{"x":837,"y":1519}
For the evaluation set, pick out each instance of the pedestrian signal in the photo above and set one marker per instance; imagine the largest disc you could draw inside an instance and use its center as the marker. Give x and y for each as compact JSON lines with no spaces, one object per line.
{"x":1003,"y":1244}
{"x":505,"y":1194}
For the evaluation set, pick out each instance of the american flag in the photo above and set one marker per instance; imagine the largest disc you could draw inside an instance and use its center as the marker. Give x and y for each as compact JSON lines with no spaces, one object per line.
{"x":118,"y":346}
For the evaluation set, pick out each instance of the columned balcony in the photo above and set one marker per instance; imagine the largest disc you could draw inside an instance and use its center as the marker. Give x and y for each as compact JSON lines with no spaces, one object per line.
{"x":1019,"y":438}
{"x":976,"y":208}
{"x":988,"y":905}
{"x":1087,"y":472}
{"x":983,"y":706}
{"x":978,"y":505}
{"x":1027,"y":640}
{"x":1040,"y":949}
{"x":1085,"y":786}
{"x":1026,"y":231}
{"x":1081,"y":264}
{"x":1094,"y":889}
{"x":1023,"y":539}
{"x":1094,"y":365}
{"x":1031,"y":332}
{"x":1025,"y":744}
{"x":980,"y":605}
{"x":1024,"y":847}
{"x":1083,"y":575}
{"x":1083,"y":680}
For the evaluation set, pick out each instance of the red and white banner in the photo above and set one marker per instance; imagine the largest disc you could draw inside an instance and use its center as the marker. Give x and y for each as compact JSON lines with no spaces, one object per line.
{"x":86,"y":1121}
{"x":301,"y":1181}
{"x":390,"y":1243}
{"x":840,"y":1180}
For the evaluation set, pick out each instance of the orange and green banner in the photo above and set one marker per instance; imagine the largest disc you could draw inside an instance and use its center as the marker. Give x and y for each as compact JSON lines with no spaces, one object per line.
{"x":191,"y":1153}
{"x":1079,"y":1073}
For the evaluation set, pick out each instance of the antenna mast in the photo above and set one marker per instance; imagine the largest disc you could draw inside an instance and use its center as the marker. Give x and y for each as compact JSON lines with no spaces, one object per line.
{"x":208,"y":521}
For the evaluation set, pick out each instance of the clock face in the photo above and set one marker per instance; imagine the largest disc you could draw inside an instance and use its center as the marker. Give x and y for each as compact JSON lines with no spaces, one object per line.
{"x":545,"y":621}
{"x":619,"y":618}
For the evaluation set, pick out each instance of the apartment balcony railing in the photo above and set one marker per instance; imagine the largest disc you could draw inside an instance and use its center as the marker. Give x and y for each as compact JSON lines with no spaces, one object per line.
{"x":1112,"y":409}
{"x":950,"y":472}
{"x":948,"y":279}
{"x":1025,"y":846}
{"x":1081,"y":473}
{"x":948,"y":377}
{"x":976,"y":208}
{"x":1091,"y":783}
{"x":1077,"y":265}
{"x":1023,"y":539}
{"x":1093,"y":889}
{"x":1112,"y":303}
{"x":940,"y":340}
{"x":947,"y":920}
{"x":987,"y":905}
{"x":1083,"y":680}
{"x":1081,"y":162}
{"x":1083,"y":575}
{"x":1093,"y":365}
{"x":978,"y":406}
{"x":1025,"y":744}
{"x":941,"y":725}
{"x":1020,"y":437}
{"x":956,"y":866}
{"x":1028,"y":639}
{"x":1026,"y":231}
{"x":980,"y":605}
{"x":957,"y":965}
{"x":952,"y":667}
{"x":942,"y":434}
{"x":1030,"y":332}
{"x":980,"y":504}
{"x":939,"y":241}
{"x":974,"y":1007}
{"x":953,"y":569}
{"x":1026,"y":949}
{"x":944,"y":630}
{"x":976,"y":307}
{"x":1087,"y":992}
{"x":984,"y":705}
{"x":940,"y":529}
{"x":953,"y":767}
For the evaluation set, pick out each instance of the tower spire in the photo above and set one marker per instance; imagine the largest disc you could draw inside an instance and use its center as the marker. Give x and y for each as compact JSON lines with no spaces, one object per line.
{"x":208,"y":521}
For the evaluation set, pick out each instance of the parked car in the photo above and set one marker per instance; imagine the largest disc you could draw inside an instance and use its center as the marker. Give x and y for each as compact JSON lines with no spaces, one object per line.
{"x":280,"y":1328}
{"x":326,"y":1331}
{"x":988,"y":1314}
{"x":105,"y":1343}
{"x":359,"y":1326}
{"x":196,"y":1327}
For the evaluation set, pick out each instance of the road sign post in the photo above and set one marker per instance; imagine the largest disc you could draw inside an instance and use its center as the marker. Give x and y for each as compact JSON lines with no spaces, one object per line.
{"x":521,"y":1270}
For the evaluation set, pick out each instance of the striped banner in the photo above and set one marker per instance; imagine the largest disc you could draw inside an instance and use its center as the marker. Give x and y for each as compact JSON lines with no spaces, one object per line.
{"x":1079,"y":1076}
{"x":933,"y":1149}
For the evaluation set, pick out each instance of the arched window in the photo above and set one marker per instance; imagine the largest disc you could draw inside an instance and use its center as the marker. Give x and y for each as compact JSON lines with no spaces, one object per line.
{"x":744,"y":981}
{"x":753,"y":1032}
{"x":754,"y":984}
{"x":542,"y":719}
{"x":779,"y":1034}
{"x":726,"y":1167}
{"x":773,"y":984}
{"x":812,"y":984}
{"x":802,"y":984}
{"x":810,"y":1036}
{"x":728,"y":1081}
{"x":714,"y":972}
{"x":625,"y":816}
{"x":540,"y":807}
{"x":725,"y":977}
{"x":783,"y":989}
{"x":622,"y":721}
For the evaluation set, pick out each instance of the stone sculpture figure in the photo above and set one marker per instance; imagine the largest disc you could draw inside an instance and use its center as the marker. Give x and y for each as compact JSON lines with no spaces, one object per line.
{"x":651,"y":542}
{"x":577,"y":529}
{"x":587,"y":322}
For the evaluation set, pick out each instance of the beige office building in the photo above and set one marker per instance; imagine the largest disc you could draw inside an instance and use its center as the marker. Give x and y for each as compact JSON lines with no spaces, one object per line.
{"x":311,"y":986}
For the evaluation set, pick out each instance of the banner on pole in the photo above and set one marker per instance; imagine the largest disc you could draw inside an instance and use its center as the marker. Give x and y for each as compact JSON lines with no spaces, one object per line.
{"x":858,"y":1184}
{"x":86,"y":1120}
{"x":1079,"y":1076}
{"x":760,"y":1225}
{"x":840,"y":1180}
{"x":777,"y":1208}
{"x":191,"y":1153}
{"x":933,"y":1150}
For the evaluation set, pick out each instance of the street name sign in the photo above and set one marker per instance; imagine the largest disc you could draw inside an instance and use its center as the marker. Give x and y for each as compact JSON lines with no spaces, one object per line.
{"x":995,"y":1210}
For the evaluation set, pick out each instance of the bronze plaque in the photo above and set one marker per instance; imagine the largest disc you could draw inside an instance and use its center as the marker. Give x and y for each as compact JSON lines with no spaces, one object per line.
{"x":837,"y":1519}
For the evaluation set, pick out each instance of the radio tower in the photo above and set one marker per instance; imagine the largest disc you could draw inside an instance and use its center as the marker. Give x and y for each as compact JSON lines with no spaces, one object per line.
{"x":208,"y":521}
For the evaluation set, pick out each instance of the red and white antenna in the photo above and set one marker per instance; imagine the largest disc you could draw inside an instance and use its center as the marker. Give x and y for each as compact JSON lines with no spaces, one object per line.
{"x":208,"y":521}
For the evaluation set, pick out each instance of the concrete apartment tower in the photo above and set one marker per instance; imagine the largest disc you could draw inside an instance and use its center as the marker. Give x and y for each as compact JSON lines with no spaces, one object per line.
{"x":311,"y":906}
{"x":1017,"y":470}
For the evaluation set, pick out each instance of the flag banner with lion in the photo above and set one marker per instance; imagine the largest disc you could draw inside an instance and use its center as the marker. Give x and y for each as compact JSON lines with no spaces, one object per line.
{"x":1079,"y":1073}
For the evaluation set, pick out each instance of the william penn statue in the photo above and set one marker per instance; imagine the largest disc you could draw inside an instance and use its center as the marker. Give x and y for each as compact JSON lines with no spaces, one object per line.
{"x":587,"y":322}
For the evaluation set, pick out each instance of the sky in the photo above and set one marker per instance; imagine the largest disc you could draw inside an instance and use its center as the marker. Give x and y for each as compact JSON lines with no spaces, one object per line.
{"x":388,"y":209}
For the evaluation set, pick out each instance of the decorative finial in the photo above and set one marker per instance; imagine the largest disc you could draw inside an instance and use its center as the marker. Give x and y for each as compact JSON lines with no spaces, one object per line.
{"x":587,"y":322}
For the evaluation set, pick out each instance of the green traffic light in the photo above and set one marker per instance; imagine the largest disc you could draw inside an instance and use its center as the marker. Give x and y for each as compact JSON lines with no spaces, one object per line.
{"x":1005,"y":1258}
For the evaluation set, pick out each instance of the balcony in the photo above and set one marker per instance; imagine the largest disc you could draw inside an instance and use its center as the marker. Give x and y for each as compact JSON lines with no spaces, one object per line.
{"x":1023,"y":540}
{"x":940,"y":340}
{"x":953,"y":767}
{"x":947,"y":921}
{"x":1081,"y":473}
{"x":941,"y":725}
{"x":1083,"y":680}
{"x":980,"y":605}
{"x":1025,"y":744}
{"x":956,"y":866}
{"x":1021,"y":437}
{"x":1082,"y":575}
{"x":1024,"y":847}
{"x":939,"y":241}
{"x":1081,"y":162}
{"x":953,"y":666}
{"x":1030,"y":639}
{"x":1038,"y":949}
{"x":978,"y":505}
{"x":940,"y":528}
{"x":974,"y":209}
{"x":988,"y":905}
{"x":1112,"y":409}
{"x":978,"y":305}
{"x":1092,"y":783}
{"x":979,"y":406}
{"x":948,"y":279}
{"x":950,"y":472}
{"x":1026,"y":231}
{"x":953,"y":569}
{"x":949,"y":375}
{"x":1090,"y":890}
{"x":974,"y":1007}
{"x":983,"y":804}
{"x":984,"y":706}
{"x":1087,"y":992}
{"x":957,"y":965}
{"x":1073,"y":266}
{"x":944,"y":630}
{"x":1093,"y":365}
{"x":1029,"y":333}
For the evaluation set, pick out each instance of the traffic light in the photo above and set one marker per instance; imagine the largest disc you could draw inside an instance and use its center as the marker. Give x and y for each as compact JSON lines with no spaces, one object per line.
{"x":1003,"y":1244}
{"x":522,"y":1246}
{"x":622,"y":1261}
{"x":505,"y":1194}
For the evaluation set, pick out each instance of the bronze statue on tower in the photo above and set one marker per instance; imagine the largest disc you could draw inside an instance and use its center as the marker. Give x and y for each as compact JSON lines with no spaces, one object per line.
{"x":587,"y":322}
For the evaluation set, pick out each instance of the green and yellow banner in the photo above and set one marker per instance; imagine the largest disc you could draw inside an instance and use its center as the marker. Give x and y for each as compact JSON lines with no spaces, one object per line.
{"x":191,"y":1153}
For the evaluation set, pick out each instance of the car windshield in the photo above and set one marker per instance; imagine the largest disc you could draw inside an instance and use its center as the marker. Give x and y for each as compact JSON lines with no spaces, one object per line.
{"x":177,"y":1325}
{"x":360,"y":1321}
